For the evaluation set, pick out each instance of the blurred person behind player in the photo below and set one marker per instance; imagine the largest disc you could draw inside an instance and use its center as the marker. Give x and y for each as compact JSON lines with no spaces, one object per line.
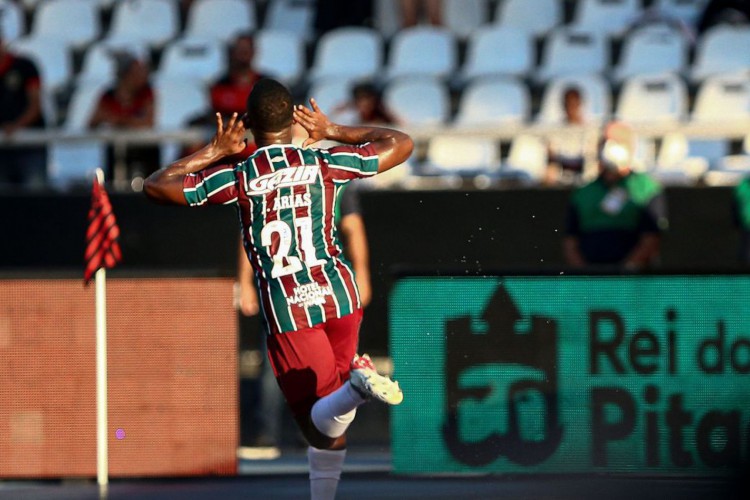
{"x":617,"y":219}
{"x":286,"y":199}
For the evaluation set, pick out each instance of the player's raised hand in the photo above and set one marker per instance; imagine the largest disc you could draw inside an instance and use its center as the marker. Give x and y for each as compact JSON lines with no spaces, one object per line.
{"x":229,"y":139}
{"x":313,"y":120}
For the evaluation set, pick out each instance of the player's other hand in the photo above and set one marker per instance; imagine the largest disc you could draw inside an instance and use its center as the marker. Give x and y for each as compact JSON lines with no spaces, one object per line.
{"x":313,"y":120}
{"x":230,"y":139}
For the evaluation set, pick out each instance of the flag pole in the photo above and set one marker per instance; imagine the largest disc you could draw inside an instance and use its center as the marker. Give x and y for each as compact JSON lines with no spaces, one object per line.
{"x":102,"y":465}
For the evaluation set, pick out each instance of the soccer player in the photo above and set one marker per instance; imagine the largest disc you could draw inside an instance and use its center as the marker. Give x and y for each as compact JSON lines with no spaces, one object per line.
{"x":286,"y":197}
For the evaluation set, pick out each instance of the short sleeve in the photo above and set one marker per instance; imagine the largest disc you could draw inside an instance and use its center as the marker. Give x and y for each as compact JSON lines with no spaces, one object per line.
{"x":351,"y":162}
{"x":215,"y":185}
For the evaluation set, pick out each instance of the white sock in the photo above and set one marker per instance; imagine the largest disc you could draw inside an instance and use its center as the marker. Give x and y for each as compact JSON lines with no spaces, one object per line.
{"x":332,"y":414}
{"x":325,"y":472}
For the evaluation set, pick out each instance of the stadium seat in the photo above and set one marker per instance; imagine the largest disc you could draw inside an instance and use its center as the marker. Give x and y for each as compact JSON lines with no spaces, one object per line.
{"x":463,"y":17}
{"x":595,"y":95}
{"x":731,"y":169}
{"x":674,"y":165}
{"x":723,"y":99}
{"x":494,"y":101}
{"x":461,"y":155}
{"x":279,"y":54}
{"x":292,"y":16}
{"x":653,"y":99}
{"x":527,"y":159}
{"x":151,"y":22}
{"x":75,"y":161}
{"x":569,"y":52}
{"x":192,"y":59}
{"x":606,"y":17}
{"x":422,"y":51}
{"x":496,"y":50}
{"x":418,"y":101}
{"x":722,"y":49}
{"x":537,"y":21}
{"x":220,"y":19}
{"x":12,"y":20}
{"x":177,"y":102}
{"x":72,"y":22}
{"x":331,"y":94}
{"x":98,"y":63}
{"x":652,"y":49}
{"x":687,"y":11}
{"x":350,"y":53}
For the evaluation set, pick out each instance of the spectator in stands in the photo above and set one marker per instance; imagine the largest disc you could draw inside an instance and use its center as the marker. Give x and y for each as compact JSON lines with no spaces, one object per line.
{"x":567,"y":148}
{"x":412,"y":9}
{"x":20,"y":108}
{"x":616,"y":219}
{"x":229,"y":93}
{"x":724,"y":11}
{"x":365,"y":107}
{"x":129,"y":105}
{"x":742,"y":217}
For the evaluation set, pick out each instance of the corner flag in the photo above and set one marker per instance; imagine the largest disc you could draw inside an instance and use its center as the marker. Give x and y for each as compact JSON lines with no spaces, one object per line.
{"x":102,"y":248}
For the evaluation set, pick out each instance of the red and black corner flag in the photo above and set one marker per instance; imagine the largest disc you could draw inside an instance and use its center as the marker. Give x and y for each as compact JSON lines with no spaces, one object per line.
{"x":102,"y":248}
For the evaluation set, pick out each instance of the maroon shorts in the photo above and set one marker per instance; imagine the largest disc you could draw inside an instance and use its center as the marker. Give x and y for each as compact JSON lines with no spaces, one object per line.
{"x":314,"y":362}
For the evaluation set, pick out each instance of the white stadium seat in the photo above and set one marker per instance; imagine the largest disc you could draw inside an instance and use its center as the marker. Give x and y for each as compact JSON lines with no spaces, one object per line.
{"x":461,"y":155}
{"x":12,"y":21}
{"x":723,"y":99}
{"x":722,"y":49}
{"x":418,"y":101}
{"x":292,"y":16}
{"x":72,"y":22}
{"x":99,"y":63}
{"x":351,"y":53}
{"x":568,"y":52}
{"x":674,"y":166}
{"x":652,"y":49}
{"x":331,"y":94}
{"x":177,"y":102}
{"x":220,"y":19}
{"x":607,"y":17}
{"x":192,"y":59}
{"x":279,"y":54}
{"x":51,"y":57}
{"x":595,"y":96}
{"x":463,"y":17}
{"x":537,"y":21}
{"x":527,"y":159}
{"x":422,"y":51}
{"x":152,"y":22}
{"x":496,"y":50}
{"x":658,"y":99}
{"x":494,"y":101}
{"x":82,"y":105}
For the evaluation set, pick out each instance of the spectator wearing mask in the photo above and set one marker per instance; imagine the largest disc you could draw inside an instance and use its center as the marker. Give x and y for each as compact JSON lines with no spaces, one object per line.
{"x":20,"y":108}
{"x":617,"y":219}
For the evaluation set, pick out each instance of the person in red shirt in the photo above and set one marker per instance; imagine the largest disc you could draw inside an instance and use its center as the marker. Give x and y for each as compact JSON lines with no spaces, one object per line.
{"x":20,"y":108}
{"x":128,"y":105}
{"x":229,"y":93}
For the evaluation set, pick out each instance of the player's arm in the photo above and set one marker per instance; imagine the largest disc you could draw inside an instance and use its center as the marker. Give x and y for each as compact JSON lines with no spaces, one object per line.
{"x":248,"y":299}
{"x":165,"y":185}
{"x":352,"y":227}
{"x":392,"y":147}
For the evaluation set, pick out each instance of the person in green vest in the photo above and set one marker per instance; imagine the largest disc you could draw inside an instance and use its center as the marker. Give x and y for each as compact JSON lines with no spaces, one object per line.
{"x":617,"y":219}
{"x":742,"y":215}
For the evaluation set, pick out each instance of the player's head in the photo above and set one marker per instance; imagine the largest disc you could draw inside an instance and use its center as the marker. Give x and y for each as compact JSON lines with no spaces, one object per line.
{"x":617,"y":149}
{"x":269,"y":107}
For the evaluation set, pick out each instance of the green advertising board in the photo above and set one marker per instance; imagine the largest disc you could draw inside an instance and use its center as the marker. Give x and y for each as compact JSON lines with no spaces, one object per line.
{"x":647,"y":374}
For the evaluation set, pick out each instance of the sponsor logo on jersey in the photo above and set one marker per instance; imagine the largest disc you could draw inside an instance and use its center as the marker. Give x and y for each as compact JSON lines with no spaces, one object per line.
{"x":286,"y":177}
{"x":310,"y":294}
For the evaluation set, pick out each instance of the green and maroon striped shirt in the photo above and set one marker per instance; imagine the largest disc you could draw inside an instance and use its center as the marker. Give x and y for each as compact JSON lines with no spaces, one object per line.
{"x":286,"y":199}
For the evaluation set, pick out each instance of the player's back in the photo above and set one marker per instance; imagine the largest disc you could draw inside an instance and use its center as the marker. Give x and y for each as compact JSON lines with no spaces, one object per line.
{"x":287,"y":201}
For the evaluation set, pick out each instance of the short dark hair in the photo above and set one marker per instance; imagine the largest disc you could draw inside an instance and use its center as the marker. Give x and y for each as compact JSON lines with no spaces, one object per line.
{"x":269,"y":106}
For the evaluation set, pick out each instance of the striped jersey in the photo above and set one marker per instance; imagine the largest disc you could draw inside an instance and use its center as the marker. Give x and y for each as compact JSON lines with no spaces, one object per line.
{"x":286,"y":200}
